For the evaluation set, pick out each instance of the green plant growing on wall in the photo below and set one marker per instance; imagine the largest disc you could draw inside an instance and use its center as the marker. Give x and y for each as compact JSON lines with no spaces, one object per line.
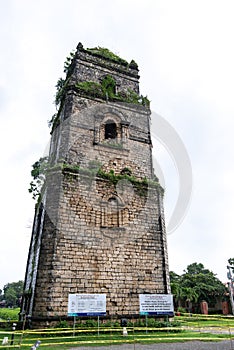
{"x":68,"y":61}
{"x":105,"y":90}
{"x":41,"y":167}
{"x":145,"y":101}
{"x":54,"y":121}
{"x":90,"y":88}
{"x":108,"y":86}
{"x":60,"y":87}
{"x":106,"y":53}
{"x":38,"y":174}
{"x":133,"y":97}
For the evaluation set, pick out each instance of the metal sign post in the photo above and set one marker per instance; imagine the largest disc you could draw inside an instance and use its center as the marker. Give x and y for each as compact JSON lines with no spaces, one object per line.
{"x":74,"y":326}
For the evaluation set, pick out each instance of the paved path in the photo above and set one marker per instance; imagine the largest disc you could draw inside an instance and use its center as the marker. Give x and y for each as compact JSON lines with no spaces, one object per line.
{"x":192,"y":345}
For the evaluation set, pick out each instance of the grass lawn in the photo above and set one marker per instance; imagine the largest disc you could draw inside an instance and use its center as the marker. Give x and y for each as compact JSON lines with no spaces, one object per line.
{"x":207,"y":321}
{"x":110,"y":339}
{"x":197,"y":327}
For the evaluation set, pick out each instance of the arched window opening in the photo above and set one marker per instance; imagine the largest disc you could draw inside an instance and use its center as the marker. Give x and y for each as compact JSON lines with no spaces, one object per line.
{"x":113,"y":202}
{"x":113,"y":212}
{"x":110,"y":130}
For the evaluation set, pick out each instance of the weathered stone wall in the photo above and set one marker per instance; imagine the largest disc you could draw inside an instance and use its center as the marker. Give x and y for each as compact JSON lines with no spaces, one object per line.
{"x":101,"y":227}
{"x":96,"y":248}
{"x":88,"y":67}
{"x":79,"y":138}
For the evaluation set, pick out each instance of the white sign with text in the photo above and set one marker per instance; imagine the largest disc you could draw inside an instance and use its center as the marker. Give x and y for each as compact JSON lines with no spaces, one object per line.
{"x":87,"y":305}
{"x":156,"y":304}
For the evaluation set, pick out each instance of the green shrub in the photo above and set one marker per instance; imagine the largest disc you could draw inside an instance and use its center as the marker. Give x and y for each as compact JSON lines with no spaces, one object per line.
{"x":9,"y":314}
{"x":62,"y":324}
{"x":181,"y":310}
{"x":91,"y":323}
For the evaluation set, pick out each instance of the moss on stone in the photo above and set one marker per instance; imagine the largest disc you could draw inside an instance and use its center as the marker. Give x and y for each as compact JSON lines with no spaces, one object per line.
{"x":140,"y":185}
{"x":106,"y":53}
{"x":90,"y":88}
{"x":106,"y":92}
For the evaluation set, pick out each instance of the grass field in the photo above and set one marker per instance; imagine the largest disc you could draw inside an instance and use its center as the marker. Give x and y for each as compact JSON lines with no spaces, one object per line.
{"x":196,"y":327}
{"x":214,"y":323}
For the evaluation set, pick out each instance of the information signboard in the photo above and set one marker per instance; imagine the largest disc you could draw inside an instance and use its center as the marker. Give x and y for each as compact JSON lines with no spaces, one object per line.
{"x":156,"y":304}
{"x":87,"y":305}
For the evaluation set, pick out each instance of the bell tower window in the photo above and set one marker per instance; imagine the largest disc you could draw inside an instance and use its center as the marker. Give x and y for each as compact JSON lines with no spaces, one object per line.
{"x":110,"y":130}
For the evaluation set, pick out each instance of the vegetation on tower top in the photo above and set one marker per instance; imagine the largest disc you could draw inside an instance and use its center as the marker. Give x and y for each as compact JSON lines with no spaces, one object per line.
{"x":103,"y":52}
{"x":105,"y":89}
{"x":106,"y":53}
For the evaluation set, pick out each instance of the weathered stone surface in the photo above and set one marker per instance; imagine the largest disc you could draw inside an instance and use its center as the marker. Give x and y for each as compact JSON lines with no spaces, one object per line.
{"x":97,"y":229}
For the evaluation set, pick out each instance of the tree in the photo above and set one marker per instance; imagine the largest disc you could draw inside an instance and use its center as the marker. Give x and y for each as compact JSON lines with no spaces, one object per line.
{"x":176,"y":288}
{"x":204,"y":282}
{"x":196,"y":284}
{"x":195,"y":269}
{"x":10,"y":297}
{"x":181,"y":293}
{"x":12,"y":293}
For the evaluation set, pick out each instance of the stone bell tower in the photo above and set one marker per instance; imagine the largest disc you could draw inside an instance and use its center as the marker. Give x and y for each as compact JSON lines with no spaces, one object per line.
{"x":99,"y":225}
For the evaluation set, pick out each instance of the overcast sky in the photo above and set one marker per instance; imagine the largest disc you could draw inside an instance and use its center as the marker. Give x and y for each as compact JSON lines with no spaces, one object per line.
{"x":185,"y":54}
